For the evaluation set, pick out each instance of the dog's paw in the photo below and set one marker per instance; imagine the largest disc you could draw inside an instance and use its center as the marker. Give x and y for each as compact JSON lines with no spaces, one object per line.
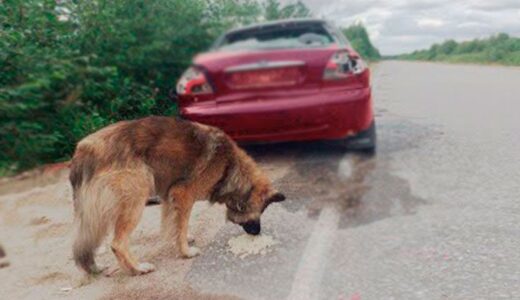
{"x":191,"y":252}
{"x":96,"y":270}
{"x":144,"y":268}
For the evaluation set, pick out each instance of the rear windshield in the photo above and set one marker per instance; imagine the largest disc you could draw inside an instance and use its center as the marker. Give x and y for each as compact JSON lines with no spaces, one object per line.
{"x":277,"y":37}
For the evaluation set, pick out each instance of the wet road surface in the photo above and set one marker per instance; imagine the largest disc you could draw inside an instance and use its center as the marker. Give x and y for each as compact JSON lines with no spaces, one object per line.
{"x":434,"y":215}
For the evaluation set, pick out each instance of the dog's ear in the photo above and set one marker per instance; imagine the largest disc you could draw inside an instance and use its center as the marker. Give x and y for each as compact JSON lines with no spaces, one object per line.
{"x":276,"y":197}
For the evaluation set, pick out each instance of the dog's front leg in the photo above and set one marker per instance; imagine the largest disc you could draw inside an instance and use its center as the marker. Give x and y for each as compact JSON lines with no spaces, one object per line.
{"x":183,"y":218}
{"x":178,"y":211}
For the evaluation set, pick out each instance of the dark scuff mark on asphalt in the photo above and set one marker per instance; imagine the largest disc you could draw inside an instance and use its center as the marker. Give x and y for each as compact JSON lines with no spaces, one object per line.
{"x":370,"y":193}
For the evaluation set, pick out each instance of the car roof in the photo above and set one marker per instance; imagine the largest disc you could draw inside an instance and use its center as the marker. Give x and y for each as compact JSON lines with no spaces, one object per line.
{"x":299,"y":21}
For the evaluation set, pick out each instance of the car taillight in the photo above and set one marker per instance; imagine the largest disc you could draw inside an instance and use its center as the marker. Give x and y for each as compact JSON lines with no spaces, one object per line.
{"x":342,"y":65}
{"x":193,"y":82}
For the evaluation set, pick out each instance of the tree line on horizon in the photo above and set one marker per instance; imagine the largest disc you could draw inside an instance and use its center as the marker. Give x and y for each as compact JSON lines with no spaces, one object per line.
{"x":497,"y":49}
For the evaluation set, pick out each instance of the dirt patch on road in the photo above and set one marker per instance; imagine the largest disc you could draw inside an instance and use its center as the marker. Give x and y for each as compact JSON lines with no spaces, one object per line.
{"x":45,"y":175}
{"x":37,"y":231}
{"x":39,"y":221}
{"x":52,"y":231}
{"x":10,"y":216}
{"x":158,"y":292}
{"x":51,"y":277}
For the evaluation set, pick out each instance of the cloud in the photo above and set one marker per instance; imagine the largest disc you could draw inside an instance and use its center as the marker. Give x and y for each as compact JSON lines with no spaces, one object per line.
{"x":398,"y":26}
{"x":495,"y":5}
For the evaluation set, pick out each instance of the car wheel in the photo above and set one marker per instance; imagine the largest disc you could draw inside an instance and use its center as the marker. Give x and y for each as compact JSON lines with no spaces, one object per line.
{"x":365,"y":141}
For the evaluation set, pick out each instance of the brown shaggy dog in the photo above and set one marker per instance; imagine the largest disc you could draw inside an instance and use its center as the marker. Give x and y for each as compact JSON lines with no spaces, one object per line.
{"x":117,"y":169}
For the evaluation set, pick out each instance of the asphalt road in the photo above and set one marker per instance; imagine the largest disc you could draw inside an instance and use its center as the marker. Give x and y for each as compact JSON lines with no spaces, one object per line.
{"x":434,"y":215}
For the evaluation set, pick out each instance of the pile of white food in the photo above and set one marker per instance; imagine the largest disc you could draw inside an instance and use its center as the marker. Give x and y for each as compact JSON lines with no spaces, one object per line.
{"x":245,"y":245}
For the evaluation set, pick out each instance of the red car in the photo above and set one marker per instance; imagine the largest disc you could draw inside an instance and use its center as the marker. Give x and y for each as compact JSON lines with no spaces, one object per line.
{"x":290,"y":80}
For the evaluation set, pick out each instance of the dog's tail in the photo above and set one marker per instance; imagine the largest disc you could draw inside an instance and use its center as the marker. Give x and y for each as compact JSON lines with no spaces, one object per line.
{"x":95,"y":215}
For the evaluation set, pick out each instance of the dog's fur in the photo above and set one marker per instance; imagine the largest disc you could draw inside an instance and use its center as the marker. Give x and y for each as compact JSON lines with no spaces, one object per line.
{"x":117,"y":169}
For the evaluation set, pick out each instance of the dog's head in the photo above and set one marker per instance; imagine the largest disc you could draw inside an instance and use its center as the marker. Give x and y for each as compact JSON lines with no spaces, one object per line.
{"x":245,"y":191}
{"x":246,"y":209}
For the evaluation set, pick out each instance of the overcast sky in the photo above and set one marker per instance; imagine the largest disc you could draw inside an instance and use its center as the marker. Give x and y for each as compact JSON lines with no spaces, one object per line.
{"x":397,"y":26}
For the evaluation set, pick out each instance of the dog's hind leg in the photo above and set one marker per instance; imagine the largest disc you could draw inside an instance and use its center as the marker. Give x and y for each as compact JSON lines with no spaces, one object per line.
{"x":125,"y":224}
{"x":134,"y":196}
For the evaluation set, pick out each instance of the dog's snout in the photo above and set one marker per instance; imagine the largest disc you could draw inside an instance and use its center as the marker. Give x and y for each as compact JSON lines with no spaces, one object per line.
{"x":252,"y":227}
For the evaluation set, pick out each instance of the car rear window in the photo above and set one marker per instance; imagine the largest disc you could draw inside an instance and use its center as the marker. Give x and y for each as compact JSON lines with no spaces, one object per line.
{"x":277,"y":37}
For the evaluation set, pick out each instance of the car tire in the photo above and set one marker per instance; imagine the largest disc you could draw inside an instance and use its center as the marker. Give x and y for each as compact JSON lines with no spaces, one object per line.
{"x":364,"y":142}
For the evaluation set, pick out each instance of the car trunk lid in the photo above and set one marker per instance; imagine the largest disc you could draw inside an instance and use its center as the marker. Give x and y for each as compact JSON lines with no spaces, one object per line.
{"x":257,"y":73}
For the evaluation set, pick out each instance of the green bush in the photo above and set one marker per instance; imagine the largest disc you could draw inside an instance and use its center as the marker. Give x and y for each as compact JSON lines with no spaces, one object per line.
{"x":358,"y":37}
{"x":68,"y":68}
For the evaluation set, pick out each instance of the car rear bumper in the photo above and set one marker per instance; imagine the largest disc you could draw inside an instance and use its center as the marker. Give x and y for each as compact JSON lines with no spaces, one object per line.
{"x":332,"y":114}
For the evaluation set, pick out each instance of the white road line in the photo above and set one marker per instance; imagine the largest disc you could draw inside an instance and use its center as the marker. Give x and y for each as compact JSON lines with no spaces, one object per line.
{"x":307,"y":280}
